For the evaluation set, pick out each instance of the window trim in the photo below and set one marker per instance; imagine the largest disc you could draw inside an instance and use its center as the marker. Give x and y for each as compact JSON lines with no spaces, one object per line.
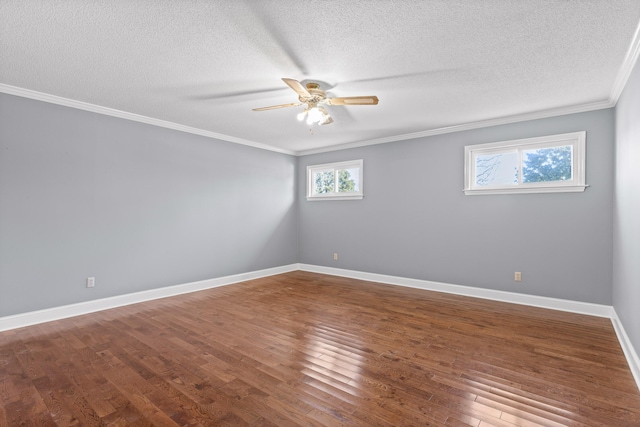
{"x":354,"y":195}
{"x":577,"y":184}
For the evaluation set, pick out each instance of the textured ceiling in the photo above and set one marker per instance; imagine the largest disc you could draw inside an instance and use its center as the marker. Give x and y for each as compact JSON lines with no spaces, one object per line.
{"x":203,"y":65}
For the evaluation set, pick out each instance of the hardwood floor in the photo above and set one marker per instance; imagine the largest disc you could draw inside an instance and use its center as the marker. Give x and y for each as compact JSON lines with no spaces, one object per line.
{"x":314,"y":350}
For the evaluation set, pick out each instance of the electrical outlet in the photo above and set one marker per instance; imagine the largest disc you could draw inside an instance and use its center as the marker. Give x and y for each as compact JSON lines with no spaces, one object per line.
{"x":335,"y":256}
{"x":517,"y":276}
{"x":91,"y":282}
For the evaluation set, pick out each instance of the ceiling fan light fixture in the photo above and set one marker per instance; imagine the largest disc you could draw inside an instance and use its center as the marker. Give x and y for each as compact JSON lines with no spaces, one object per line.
{"x":315,"y":114}
{"x":325,"y":118}
{"x":315,"y":98}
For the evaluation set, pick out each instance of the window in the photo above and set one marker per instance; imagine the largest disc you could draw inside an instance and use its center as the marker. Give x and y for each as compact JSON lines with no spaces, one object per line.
{"x":546,"y":164}
{"x":335,"y":181}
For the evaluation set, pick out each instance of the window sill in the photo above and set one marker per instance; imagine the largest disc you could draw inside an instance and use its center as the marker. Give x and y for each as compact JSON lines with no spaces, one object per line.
{"x":521,"y":190}
{"x":333,"y":197}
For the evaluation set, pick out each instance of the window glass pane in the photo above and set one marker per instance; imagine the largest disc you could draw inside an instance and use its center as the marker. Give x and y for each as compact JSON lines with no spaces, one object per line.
{"x":335,"y":181}
{"x":544,"y":164}
{"x":547,"y":164}
{"x":497,"y":169}
{"x":348,"y":180}
{"x":323,"y":182}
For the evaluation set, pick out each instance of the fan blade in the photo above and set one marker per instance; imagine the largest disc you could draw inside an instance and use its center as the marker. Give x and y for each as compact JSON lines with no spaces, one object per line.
{"x":275,"y":107}
{"x":353,"y":100}
{"x":297,"y":87}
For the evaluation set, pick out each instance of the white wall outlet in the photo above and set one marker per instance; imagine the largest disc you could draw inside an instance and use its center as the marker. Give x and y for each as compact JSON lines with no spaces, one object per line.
{"x":517,"y":276}
{"x":335,"y":256}
{"x":91,"y":282}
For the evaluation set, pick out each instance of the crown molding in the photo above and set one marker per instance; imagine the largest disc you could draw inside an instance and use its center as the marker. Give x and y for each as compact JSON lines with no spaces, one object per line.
{"x":599,"y":105}
{"x":629,"y":62}
{"x":80,"y":105}
{"x":624,"y":73}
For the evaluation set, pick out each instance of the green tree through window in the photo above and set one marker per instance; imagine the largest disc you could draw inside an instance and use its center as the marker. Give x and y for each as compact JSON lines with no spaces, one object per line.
{"x":324,"y":182}
{"x":335,"y":181}
{"x":346,"y":184}
{"x":547,"y":164}
{"x":542,"y":164}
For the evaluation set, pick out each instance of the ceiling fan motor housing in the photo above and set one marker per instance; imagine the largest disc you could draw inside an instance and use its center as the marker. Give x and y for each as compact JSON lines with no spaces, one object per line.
{"x":317,"y":94}
{"x":314,"y":97}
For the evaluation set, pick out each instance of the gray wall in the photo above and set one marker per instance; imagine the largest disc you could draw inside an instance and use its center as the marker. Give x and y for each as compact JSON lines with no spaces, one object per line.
{"x":415,"y":221}
{"x":142,"y":207}
{"x":136,"y":206}
{"x":626,"y":237}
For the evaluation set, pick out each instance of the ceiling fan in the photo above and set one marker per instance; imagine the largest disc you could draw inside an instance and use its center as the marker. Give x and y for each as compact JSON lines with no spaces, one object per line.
{"x":316,"y":98}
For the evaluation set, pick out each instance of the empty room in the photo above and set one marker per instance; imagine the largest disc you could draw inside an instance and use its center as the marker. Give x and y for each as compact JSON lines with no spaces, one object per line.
{"x":320,"y":213}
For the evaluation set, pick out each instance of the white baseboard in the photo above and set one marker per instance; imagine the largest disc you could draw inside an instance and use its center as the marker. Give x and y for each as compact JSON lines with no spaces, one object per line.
{"x":629,"y":352}
{"x":578,"y":307}
{"x":56,"y":313}
{"x":62,"y":312}
{"x":511,"y":297}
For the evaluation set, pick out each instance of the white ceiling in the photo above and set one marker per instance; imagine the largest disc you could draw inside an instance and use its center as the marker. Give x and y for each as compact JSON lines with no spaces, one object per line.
{"x":436,"y":65}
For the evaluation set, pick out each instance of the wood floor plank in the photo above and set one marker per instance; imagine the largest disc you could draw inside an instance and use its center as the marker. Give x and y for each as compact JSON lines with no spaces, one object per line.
{"x":306,"y":349}
{"x":21,"y":402}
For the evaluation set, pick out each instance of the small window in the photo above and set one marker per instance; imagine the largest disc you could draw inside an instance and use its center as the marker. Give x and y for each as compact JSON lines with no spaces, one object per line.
{"x":546,"y":164}
{"x":335,"y":181}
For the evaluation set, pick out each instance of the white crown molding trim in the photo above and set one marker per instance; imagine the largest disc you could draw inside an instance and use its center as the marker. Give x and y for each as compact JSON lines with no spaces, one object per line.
{"x":582,"y":108}
{"x":629,"y":62}
{"x":63,"y":312}
{"x":578,"y":307}
{"x":53,"y":99}
{"x":624,"y":73}
{"x":627,"y":348}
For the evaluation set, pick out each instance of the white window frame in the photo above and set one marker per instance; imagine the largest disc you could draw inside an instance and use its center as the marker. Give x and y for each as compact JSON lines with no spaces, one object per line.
{"x":577,"y":140}
{"x":335,"y":195}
